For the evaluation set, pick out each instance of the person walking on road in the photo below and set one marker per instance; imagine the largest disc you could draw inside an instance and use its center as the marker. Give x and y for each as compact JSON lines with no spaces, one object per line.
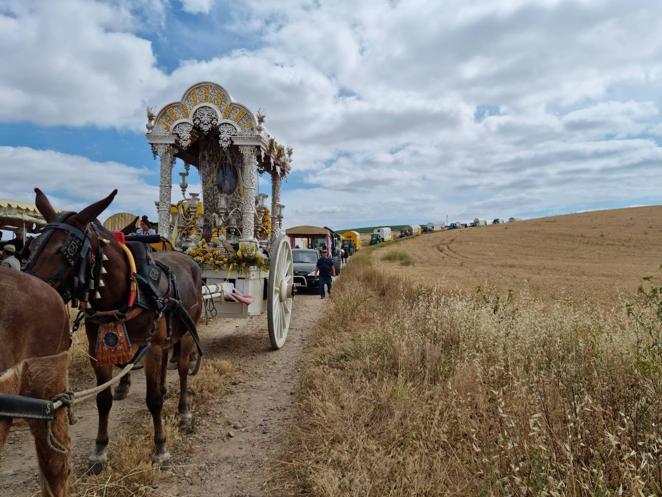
{"x":326,"y":269}
{"x":344,"y":256}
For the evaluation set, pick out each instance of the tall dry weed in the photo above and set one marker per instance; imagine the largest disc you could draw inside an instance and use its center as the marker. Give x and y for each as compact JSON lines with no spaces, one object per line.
{"x":130,"y":472}
{"x":414,"y":391}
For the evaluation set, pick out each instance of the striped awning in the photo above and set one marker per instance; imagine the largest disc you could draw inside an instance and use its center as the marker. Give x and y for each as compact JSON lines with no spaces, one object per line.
{"x":17,"y":214}
{"x":307,"y":231}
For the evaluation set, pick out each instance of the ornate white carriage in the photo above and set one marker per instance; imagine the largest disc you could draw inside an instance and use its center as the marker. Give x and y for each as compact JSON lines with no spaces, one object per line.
{"x":229,"y":146}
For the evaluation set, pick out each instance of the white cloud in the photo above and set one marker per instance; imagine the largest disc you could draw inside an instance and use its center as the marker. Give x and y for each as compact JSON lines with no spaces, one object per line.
{"x":378,"y":97}
{"x":73,"y":63}
{"x":197,"y":6}
{"x":72,"y":181}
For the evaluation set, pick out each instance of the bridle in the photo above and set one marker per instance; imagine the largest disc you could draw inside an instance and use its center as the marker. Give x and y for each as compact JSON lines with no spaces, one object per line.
{"x":77,"y":255}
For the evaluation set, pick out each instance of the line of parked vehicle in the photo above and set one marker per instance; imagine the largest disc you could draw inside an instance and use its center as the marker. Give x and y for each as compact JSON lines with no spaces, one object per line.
{"x":384,"y":234}
{"x":478,"y":222}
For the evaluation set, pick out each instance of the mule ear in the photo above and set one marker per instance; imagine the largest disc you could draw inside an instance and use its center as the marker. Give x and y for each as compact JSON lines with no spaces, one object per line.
{"x":44,"y":206}
{"x":91,"y":212}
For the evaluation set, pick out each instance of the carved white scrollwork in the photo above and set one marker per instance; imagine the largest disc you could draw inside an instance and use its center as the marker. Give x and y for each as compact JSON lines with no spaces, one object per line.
{"x":275,"y":200}
{"x":226,"y":132}
{"x":167,"y":155}
{"x":249,"y":177}
{"x":205,"y":118}
{"x":160,"y":149}
{"x":183,"y":133}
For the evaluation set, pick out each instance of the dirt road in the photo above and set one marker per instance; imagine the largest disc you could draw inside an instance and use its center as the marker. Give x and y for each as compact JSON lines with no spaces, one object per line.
{"x":234,"y":437}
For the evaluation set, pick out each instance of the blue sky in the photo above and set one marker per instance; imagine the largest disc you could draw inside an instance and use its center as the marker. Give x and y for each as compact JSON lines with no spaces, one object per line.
{"x":497,"y":109}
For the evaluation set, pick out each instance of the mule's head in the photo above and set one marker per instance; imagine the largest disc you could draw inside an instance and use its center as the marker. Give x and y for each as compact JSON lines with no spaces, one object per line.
{"x":63,"y":254}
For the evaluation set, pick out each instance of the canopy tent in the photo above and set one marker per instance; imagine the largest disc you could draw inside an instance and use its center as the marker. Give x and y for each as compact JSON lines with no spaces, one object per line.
{"x":121,"y":221}
{"x":307,"y":232}
{"x":316,"y":237}
{"x":15,"y":214}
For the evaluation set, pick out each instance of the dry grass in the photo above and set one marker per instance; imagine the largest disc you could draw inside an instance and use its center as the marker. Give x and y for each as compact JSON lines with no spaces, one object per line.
{"x":593,"y":257}
{"x":81,"y":374}
{"x":398,"y":256}
{"x":413,"y":390}
{"x":130,"y":472}
{"x":211,"y":380}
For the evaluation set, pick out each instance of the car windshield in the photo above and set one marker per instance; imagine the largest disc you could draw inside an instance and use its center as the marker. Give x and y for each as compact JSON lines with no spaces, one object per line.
{"x":304,"y":256}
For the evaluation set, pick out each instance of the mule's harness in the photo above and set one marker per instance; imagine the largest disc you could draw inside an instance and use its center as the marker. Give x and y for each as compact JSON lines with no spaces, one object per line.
{"x":87,"y":269}
{"x":75,"y":251}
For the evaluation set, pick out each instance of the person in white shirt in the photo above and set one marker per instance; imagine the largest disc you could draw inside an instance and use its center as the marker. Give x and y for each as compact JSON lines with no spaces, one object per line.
{"x":9,"y":258}
{"x":144,"y":227}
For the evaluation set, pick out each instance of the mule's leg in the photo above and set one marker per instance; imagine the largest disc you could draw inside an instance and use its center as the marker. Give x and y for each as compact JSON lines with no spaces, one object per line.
{"x":153,"y":373}
{"x":186,"y":347}
{"x":5,"y":424}
{"x":164,"y":372}
{"x":53,"y":466}
{"x":104,"y":404}
{"x":122,"y":390}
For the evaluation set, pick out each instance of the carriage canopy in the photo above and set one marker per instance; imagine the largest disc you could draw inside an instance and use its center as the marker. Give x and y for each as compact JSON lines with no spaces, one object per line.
{"x":229,"y":145}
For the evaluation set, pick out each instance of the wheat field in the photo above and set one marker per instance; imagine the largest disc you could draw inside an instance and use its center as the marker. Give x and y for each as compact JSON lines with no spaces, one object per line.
{"x":420,"y":385}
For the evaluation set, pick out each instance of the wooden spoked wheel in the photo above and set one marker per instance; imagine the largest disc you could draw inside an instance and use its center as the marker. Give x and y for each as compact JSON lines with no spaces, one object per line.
{"x":280,"y":292}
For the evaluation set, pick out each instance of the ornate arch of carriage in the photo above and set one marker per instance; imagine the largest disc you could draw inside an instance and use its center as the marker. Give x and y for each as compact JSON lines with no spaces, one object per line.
{"x":229,"y":145}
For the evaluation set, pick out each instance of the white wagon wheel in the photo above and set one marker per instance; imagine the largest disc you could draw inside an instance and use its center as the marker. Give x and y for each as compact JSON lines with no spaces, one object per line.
{"x":280,"y":292}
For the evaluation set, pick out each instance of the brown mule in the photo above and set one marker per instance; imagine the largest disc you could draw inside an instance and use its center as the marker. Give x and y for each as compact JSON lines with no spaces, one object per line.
{"x":79,"y":258}
{"x":34,"y":333}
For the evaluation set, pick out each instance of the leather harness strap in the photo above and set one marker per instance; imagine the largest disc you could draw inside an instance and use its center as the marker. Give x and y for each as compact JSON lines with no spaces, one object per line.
{"x":76,"y":253}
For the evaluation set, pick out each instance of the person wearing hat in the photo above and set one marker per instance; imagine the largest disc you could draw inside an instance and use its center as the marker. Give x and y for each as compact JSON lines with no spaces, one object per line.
{"x":326,"y":270}
{"x":145,"y":228}
{"x":9,"y":258}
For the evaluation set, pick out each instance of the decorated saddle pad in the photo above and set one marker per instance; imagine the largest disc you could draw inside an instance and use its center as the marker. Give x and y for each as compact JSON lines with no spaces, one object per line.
{"x":113,"y":344}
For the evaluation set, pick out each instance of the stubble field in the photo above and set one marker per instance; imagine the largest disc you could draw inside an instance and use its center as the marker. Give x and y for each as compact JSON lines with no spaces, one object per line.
{"x":595,"y":256}
{"x":545,"y":382}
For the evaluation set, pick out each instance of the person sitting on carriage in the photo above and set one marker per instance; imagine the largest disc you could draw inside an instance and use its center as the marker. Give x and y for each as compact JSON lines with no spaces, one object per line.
{"x":18,"y":241}
{"x":145,"y":228}
{"x":9,"y":258}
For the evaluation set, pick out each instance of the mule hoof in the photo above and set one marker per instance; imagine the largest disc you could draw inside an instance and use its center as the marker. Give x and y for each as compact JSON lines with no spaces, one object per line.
{"x":120,"y":393}
{"x":162,"y":459}
{"x":97,"y":462}
{"x":186,"y":421}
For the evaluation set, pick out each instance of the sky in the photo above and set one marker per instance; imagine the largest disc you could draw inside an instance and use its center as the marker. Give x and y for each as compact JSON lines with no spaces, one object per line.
{"x":399,"y":111}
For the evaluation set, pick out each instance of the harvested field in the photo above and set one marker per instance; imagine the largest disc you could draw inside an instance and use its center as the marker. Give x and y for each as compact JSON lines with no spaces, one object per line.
{"x":419,"y":386}
{"x":592,"y":257}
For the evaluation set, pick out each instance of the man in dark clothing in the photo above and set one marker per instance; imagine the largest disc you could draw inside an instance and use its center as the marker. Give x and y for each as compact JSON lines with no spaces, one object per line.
{"x":325,"y":269}
{"x":18,"y":242}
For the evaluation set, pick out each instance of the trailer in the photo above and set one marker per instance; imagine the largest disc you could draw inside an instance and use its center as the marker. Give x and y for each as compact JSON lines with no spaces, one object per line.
{"x":351,"y":241}
{"x":384,"y":233}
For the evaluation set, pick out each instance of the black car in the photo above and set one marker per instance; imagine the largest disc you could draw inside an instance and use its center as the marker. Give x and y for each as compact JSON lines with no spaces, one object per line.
{"x":305,"y":264}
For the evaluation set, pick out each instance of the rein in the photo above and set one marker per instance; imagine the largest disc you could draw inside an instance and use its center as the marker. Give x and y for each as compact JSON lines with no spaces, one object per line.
{"x":77,"y":257}
{"x":86,"y":265}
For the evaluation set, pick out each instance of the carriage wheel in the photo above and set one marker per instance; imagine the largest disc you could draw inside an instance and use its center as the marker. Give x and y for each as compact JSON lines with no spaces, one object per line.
{"x":280,"y":292}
